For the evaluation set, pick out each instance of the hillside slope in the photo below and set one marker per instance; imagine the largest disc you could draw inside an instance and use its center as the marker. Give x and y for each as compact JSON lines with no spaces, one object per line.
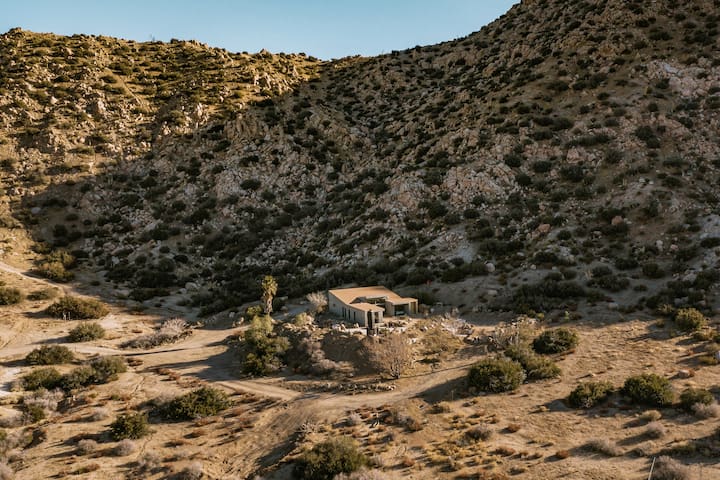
{"x":573,"y":139}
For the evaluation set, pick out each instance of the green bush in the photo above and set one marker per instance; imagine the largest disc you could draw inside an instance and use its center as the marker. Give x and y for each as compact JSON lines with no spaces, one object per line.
{"x":692,"y":396}
{"x":689,"y":319}
{"x":129,"y":425}
{"x":10,"y":296}
{"x":86,"y":332}
{"x":50,"y":355}
{"x":496,"y":375}
{"x":557,"y":340}
{"x":202,"y":402}
{"x":589,"y":394}
{"x":649,"y":389}
{"x":74,"y":308}
{"x":77,"y":378}
{"x":106,"y":369}
{"x":47,"y":378}
{"x":536,"y":367}
{"x":330,"y":458}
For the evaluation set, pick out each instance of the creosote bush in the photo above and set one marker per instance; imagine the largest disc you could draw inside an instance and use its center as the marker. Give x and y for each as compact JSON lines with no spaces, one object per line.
{"x":557,"y":340}
{"x":496,"y":375}
{"x":330,"y":458}
{"x":649,"y":389}
{"x":692,"y":396}
{"x":50,"y":355}
{"x":47,"y":378}
{"x":536,"y":366}
{"x":129,"y":425}
{"x":86,"y":332}
{"x":10,"y":296}
{"x":75,"y":308}
{"x":589,"y":394}
{"x":689,"y":319}
{"x":203,"y":402}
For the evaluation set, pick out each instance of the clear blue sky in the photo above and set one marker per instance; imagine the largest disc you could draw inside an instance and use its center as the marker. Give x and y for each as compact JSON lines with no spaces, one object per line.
{"x":323,"y":28}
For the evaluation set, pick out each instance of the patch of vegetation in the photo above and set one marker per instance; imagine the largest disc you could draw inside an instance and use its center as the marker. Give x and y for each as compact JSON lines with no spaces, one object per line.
{"x":55,"y":266}
{"x":496,"y":375}
{"x":199,"y":403}
{"x":330,"y":458}
{"x":589,"y":394}
{"x":129,"y":425}
{"x":689,"y":319}
{"x":649,"y":389}
{"x":536,"y":366}
{"x":106,"y":369}
{"x":86,"y":332}
{"x":10,"y":296}
{"x":557,"y":340}
{"x":692,"y":396}
{"x":50,"y":355}
{"x":263,"y":348}
{"x":47,"y":378}
{"x":75,"y":308}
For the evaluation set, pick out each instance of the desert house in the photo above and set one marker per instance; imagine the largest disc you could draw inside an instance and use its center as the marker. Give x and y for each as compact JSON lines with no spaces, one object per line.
{"x":366,"y":306}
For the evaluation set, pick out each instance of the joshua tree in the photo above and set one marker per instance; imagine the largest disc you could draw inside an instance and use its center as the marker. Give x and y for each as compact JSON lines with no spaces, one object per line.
{"x":269,"y":288}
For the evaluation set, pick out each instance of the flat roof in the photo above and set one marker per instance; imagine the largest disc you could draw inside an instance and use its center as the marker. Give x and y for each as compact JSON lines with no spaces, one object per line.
{"x":349,"y":295}
{"x":367,"y":307}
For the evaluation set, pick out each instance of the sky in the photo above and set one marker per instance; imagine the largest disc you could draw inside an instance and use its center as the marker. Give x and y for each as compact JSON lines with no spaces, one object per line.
{"x":322,"y":28}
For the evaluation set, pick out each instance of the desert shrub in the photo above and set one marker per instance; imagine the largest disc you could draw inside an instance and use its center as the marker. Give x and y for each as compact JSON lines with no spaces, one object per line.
{"x":106,"y":369}
{"x":330,"y":458}
{"x":689,"y":319}
{"x":10,"y":295}
{"x":74,"y":308}
{"x":557,"y":340}
{"x":496,"y":375}
{"x":692,"y":396}
{"x":47,"y":378}
{"x":86,"y":446}
{"x":77,"y":378}
{"x":603,"y":446}
{"x":86,"y":332}
{"x":667,"y":468}
{"x":202,"y":402}
{"x":536,"y":366}
{"x":40,"y":404}
{"x":50,"y":355}
{"x":124,"y":448}
{"x":263,"y":348}
{"x":170,"y":331}
{"x":649,"y":389}
{"x":655,"y":430}
{"x":129,"y":425}
{"x":701,"y":410}
{"x":482,"y":432}
{"x":43,"y":294}
{"x":589,"y":394}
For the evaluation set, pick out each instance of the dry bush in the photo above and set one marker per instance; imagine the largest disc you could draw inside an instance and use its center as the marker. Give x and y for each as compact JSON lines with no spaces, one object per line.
{"x":99,"y":413}
{"x":124,"y":448}
{"x":562,"y":454}
{"x":519,"y":332}
{"x":353,"y":419}
{"x":148,"y":462}
{"x":194,"y":471}
{"x":667,"y":468}
{"x":650,"y":415}
{"x":603,"y":446}
{"x":86,"y":446}
{"x":655,"y":430}
{"x":318,"y":301}
{"x":441,"y":407}
{"x":170,"y":331}
{"x":701,"y":410}
{"x":391,"y":354}
{"x":480,"y":432}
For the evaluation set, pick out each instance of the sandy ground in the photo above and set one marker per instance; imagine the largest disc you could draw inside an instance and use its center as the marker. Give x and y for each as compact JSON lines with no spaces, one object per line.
{"x":263,"y":429}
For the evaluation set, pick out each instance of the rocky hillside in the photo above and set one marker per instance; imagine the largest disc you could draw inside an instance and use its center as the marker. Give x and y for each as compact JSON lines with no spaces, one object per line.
{"x":567,"y":152}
